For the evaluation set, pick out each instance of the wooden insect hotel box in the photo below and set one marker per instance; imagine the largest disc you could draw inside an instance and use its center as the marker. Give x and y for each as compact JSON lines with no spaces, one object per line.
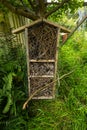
{"x":42,"y":39}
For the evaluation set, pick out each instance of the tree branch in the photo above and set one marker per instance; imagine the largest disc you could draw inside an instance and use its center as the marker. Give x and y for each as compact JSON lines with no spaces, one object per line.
{"x":44,"y":87}
{"x":32,"y":5}
{"x":55,"y":3}
{"x":42,"y":7}
{"x":79,"y":24}
{"x":56,"y":8}
{"x":19,"y":11}
{"x":25,"y":6}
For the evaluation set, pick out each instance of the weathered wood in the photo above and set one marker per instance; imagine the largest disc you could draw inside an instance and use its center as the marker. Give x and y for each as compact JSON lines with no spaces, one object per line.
{"x":42,"y":76}
{"x":42,"y":60}
{"x":43,"y":97}
{"x":27,"y":57}
{"x":56,"y":59}
{"x":63,"y":29}
{"x":46,"y":86}
{"x":20,"y":29}
{"x":42,"y":37}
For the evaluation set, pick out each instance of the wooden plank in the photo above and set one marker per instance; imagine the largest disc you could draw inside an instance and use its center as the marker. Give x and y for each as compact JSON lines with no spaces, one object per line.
{"x":42,"y":76}
{"x":27,"y":57}
{"x":56,"y":58}
{"x":43,"y":97}
{"x":57,"y":49}
{"x":20,"y":29}
{"x":63,"y":29}
{"x":42,"y":60}
{"x":56,"y":65}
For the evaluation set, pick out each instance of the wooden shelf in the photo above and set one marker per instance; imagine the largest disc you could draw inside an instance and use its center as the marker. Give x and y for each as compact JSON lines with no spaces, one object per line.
{"x":42,"y":60}
{"x":43,"y":97}
{"x":42,"y":76}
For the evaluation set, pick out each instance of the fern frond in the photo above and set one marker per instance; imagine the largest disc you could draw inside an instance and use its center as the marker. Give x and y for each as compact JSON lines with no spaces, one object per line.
{"x":8,"y":82}
{"x":8,"y":105}
{"x":7,"y":90}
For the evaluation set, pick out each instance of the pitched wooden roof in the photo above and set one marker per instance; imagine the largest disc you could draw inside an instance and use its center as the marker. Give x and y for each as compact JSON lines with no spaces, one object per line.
{"x":20,"y":29}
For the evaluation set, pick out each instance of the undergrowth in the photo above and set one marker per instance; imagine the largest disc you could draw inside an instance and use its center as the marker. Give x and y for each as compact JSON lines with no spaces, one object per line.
{"x":13,"y":83}
{"x":68,"y":111}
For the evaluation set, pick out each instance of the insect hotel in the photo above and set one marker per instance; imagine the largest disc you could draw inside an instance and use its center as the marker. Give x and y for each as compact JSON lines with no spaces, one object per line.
{"x":42,"y":39}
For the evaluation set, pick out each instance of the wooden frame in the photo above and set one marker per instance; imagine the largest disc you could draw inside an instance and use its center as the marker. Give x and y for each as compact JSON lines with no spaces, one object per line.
{"x":56,"y":57}
{"x":54,"y":61}
{"x":43,"y":61}
{"x":27,"y":57}
{"x":20,"y":29}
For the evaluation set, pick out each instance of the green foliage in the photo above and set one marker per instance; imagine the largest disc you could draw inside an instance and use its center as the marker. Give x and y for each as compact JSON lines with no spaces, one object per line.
{"x":69,"y":110}
{"x":7,"y":91}
{"x":13,"y":84}
{"x":67,"y":7}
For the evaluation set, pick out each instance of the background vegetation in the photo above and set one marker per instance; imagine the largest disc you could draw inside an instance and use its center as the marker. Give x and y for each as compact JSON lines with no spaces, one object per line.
{"x":67,"y":112}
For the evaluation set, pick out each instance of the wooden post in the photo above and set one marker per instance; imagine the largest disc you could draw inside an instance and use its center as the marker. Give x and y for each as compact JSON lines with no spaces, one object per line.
{"x":27,"y":57}
{"x":56,"y":58}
